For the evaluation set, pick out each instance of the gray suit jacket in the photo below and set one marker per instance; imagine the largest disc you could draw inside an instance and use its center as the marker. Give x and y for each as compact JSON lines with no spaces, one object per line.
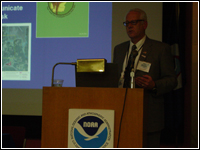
{"x":161,"y":71}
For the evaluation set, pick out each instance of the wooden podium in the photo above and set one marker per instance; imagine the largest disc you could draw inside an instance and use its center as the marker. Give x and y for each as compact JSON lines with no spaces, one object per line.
{"x":58,"y":100}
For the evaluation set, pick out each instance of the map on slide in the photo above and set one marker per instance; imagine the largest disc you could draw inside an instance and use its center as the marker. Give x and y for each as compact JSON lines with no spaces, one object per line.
{"x":16,"y":51}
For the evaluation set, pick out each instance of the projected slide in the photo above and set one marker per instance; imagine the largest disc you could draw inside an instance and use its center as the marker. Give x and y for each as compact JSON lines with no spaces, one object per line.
{"x":58,"y":19}
{"x":16,"y":51}
{"x":37,"y":35}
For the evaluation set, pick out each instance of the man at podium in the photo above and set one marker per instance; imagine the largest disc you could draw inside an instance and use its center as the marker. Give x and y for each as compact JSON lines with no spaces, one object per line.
{"x":146,"y":63}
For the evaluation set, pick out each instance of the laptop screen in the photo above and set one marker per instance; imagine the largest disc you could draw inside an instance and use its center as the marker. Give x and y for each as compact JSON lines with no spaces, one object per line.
{"x":109,"y":78}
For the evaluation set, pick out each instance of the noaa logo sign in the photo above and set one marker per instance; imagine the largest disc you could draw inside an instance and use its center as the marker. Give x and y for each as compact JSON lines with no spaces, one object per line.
{"x":89,"y":128}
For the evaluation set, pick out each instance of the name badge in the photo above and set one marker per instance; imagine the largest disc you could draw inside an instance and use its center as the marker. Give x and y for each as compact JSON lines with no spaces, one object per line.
{"x":143,"y":66}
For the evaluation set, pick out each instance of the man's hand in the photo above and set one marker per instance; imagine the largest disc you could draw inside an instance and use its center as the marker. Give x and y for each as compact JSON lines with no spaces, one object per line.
{"x":145,"y":81}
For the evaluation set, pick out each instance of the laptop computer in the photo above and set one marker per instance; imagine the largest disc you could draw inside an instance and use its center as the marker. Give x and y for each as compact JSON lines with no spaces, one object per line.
{"x":109,"y":78}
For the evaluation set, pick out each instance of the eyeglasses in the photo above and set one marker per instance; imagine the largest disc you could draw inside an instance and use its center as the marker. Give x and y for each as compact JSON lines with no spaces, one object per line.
{"x":134,"y":22}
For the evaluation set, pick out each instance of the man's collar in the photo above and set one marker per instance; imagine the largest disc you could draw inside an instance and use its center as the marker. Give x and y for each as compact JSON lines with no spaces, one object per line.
{"x":139,"y":44}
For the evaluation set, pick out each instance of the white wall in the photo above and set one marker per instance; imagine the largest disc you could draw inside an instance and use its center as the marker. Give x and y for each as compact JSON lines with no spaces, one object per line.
{"x":154,"y":18}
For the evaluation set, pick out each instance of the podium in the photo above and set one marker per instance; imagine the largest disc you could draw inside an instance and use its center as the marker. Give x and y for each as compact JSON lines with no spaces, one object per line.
{"x":58,"y":100}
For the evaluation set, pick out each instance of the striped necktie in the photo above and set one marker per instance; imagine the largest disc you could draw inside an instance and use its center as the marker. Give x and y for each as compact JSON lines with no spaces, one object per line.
{"x":130,"y":65}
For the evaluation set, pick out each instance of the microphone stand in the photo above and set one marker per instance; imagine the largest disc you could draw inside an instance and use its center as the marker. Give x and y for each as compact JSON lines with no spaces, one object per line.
{"x":62,"y":63}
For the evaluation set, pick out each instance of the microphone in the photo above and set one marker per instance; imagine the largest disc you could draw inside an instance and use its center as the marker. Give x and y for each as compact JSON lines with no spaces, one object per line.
{"x":132,"y":74}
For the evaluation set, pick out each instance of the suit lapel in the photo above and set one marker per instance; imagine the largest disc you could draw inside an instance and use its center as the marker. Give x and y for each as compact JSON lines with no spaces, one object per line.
{"x":146,"y":49}
{"x":126,"y":49}
{"x":124,"y":52}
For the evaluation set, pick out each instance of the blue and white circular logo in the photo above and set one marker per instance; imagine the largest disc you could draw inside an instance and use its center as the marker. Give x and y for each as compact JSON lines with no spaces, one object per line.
{"x":90,"y":130}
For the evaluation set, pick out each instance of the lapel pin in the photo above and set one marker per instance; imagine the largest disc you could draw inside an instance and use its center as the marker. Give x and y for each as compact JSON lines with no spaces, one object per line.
{"x":144,"y":52}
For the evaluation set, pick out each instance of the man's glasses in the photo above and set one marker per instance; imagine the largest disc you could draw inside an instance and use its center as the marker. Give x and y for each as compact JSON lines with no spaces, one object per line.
{"x":134,"y":22}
